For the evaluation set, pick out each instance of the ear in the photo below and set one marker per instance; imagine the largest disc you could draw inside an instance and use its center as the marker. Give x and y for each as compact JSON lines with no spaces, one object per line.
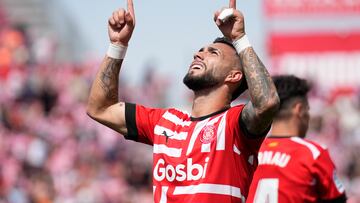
{"x":297,"y":109}
{"x":234,"y":76}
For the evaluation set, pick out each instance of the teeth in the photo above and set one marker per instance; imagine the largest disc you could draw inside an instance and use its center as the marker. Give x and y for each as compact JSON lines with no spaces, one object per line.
{"x":196,"y":66}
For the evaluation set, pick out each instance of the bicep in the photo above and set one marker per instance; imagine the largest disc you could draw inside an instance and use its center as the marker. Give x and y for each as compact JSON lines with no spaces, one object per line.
{"x":114,"y":118}
{"x":254,"y":123}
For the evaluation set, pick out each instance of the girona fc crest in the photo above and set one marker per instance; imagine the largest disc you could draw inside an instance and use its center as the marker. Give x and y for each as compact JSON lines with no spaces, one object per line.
{"x":208,"y":134}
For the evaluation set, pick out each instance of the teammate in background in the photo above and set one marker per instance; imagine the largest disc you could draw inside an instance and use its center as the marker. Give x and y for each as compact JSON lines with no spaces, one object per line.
{"x":210,"y":154}
{"x":291,"y":168}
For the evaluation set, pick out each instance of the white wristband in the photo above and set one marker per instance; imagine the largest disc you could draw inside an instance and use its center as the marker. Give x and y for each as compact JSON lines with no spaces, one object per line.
{"x":226,"y":14}
{"x":116,"y":51}
{"x":241,"y":44}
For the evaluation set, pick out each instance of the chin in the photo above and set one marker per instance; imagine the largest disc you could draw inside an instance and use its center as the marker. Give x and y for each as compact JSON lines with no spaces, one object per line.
{"x":195,"y":73}
{"x":200,"y":81}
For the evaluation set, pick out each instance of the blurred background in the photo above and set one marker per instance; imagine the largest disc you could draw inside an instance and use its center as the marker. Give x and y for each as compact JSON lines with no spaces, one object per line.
{"x":50,"y":151}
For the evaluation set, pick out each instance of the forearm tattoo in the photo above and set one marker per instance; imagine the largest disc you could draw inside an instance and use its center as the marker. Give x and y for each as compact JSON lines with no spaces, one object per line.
{"x":257,"y":113}
{"x":109,"y":79}
{"x":258,"y":78}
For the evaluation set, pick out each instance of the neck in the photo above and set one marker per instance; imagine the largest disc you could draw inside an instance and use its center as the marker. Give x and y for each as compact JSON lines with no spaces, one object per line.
{"x":209,"y":101}
{"x":284,"y":128}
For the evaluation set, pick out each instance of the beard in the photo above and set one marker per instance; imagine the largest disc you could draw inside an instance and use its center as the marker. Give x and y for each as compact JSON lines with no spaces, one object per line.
{"x":202,"y":82}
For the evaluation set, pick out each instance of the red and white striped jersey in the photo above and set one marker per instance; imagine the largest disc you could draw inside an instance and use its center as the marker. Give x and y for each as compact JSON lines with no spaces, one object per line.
{"x":291,"y":170}
{"x":207,"y":159}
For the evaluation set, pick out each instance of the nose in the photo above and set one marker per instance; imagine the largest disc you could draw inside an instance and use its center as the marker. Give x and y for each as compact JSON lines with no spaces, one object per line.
{"x":199,"y":55}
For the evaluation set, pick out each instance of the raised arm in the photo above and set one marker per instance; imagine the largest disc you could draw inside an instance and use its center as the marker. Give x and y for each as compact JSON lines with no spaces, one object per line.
{"x":258,"y":113}
{"x":103,"y":105}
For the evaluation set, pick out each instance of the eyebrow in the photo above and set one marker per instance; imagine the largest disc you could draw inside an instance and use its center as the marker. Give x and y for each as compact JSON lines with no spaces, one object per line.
{"x":210,"y":49}
{"x":213,"y":49}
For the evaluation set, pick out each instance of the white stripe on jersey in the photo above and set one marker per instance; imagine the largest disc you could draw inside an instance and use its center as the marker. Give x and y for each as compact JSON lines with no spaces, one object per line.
{"x":163,"y":149}
{"x":236,"y":150}
{"x":213,"y":121}
{"x":174,"y":119}
{"x":209,"y":189}
{"x":159,"y":130}
{"x":315,"y":152}
{"x":199,"y":126}
{"x":220,"y":144}
{"x":205,"y":147}
{"x":163,"y":198}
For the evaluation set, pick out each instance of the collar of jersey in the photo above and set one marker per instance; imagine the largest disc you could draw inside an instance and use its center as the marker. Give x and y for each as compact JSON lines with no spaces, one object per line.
{"x":209,"y":115}
{"x":285,"y":136}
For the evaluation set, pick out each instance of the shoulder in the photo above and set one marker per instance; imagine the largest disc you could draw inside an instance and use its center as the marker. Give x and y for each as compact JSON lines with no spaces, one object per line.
{"x":178,"y":112}
{"x":143,"y":113}
{"x":146,"y":109}
{"x":315,"y":149}
{"x":237,"y":107}
{"x":276,"y":143}
{"x":235,"y":110}
{"x":176,"y":116}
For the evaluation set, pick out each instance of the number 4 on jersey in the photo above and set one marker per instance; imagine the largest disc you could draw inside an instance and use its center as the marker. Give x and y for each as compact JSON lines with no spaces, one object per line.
{"x":267,"y":191}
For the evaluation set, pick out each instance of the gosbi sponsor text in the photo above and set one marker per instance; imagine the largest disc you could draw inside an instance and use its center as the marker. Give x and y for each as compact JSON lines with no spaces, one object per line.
{"x":180,"y":172}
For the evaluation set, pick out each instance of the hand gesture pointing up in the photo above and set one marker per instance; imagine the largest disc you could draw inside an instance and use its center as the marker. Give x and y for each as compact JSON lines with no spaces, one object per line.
{"x":121,"y":25}
{"x":234,"y":27}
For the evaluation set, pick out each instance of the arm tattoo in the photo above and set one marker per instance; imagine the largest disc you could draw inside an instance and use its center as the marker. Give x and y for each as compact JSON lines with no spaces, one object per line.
{"x":258,"y":78}
{"x":109,"y":79}
{"x":259,"y":112}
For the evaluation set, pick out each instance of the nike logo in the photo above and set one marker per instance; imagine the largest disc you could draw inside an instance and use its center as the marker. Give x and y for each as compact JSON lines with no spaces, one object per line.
{"x":166,"y":135}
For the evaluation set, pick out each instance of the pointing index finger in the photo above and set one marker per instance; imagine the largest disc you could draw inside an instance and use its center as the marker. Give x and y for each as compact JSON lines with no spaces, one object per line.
{"x":130,"y":8}
{"x":232,"y":4}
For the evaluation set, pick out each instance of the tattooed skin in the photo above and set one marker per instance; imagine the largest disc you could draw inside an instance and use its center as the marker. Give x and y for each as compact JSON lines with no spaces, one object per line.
{"x":258,"y":113}
{"x":109,"y":80}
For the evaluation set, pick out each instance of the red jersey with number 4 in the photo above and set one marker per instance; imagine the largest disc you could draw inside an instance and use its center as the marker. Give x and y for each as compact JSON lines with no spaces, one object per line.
{"x":294,"y":170}
{"x":207,"y":159}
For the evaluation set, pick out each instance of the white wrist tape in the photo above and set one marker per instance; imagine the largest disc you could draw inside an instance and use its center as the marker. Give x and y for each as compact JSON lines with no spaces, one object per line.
{"x":226,"y":14}
{"x":116,"y":51}
{"x":241,"y":44}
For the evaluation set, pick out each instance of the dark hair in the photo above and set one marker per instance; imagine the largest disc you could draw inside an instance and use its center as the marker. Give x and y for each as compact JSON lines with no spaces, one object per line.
{"x":290,"y":88}
{"x":243,"y":84}
{"x":224,"y":40}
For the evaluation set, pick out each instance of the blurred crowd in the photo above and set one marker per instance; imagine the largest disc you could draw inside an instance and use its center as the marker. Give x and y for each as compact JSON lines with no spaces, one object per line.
{"x":50,"y":151}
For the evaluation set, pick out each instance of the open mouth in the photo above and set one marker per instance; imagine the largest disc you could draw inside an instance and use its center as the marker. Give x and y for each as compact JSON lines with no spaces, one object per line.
{"x":197,"y":65}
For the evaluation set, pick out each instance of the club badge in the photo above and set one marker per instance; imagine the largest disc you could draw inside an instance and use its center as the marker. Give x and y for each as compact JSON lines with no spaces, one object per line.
{"x":208,"y":134}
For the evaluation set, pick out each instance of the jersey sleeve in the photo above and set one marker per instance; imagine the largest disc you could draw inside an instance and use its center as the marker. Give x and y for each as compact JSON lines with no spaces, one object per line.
{"x":328,"y":185}
{"x":141,"y":121}
{"x":253,"y":142}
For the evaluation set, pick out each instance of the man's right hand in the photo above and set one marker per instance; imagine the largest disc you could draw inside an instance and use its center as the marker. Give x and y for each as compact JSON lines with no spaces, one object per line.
{"x":234,"y":28}
{"x":121,"y":25}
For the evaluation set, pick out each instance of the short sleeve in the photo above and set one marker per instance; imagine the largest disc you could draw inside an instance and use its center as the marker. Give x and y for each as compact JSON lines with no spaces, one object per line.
{"x":252,"y":142}
{"x":328,"y":185}
{"x":141,"y":121}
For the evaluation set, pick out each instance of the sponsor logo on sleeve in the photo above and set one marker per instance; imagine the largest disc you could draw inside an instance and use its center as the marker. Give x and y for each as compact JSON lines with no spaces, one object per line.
{"x":338,"y":184}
